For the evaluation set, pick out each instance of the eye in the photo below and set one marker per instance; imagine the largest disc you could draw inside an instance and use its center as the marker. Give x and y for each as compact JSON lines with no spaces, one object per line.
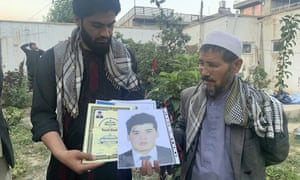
{"x":135,"y":133}
{"x":149,"y":130}
{"x":212,"y":65}
{"x":111,"y":25}
{"x":200,"y":62}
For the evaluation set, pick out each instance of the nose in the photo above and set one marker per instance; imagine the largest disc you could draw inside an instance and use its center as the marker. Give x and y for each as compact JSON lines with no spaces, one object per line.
{"x":204,"y":71}
{"x":105,"y":32}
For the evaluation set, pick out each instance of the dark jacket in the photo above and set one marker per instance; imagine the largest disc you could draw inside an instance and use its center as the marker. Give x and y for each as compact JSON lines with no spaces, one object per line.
{"x":250,"y":154}
{"x":32,"y":57}
{"x":8,"y":152}
{"x":164,"y":156}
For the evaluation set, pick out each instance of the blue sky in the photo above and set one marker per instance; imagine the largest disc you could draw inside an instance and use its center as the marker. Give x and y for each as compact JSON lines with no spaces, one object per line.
{"x":35,"y":10}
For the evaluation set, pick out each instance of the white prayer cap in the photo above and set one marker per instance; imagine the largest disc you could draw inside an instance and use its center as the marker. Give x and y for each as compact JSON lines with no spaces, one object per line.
{"x":224,"y":40}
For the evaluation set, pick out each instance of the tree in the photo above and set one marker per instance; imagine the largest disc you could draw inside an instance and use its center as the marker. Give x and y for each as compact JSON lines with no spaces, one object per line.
{"x":172,"y":35}
{"x":289,"y":27}
{"x":61,"y":11}
{"x":157,"y":2}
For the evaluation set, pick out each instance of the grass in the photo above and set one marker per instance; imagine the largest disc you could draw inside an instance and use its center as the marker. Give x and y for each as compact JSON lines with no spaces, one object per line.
{"x":290,"y":168}
{"x":31,"y":158}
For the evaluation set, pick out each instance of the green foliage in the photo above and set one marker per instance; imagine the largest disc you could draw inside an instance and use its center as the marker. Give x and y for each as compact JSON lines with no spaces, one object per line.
{"x":172,"y":36}
{"x":157,"y":2}
{"x":257,"y":77}
{"x":13,"y":115}
{"x":289,"y":28}
{"x":166,"y":86}
{"x":26,"y":152}
{"x":15,"y":90}
{"x":144,"y":54}
{"x":61,"y":11}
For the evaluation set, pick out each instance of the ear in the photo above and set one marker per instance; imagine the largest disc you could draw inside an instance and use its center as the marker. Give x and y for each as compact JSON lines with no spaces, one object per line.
{"x":236,"y":65}
{"x":77,"y":20}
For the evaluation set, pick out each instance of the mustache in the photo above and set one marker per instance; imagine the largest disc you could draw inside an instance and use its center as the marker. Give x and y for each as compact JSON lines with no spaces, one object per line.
{"x":206,"y":78}
{"x":102,"y":39}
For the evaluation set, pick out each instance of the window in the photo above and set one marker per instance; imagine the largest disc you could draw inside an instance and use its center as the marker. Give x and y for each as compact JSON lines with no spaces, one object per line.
{"x":276,"y":46}
{"x":247,"y":48}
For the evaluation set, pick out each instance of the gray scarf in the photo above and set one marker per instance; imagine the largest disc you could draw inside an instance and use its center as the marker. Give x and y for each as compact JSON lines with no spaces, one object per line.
{"x":244,"y":106}
{"x":69,"y":72}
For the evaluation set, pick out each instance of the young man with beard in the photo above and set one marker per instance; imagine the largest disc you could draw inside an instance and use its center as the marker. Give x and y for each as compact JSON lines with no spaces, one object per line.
{"x":90,"y":65}
{"x":228,"y":130}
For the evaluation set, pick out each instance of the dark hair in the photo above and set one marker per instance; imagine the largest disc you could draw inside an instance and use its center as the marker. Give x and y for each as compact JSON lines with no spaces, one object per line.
{"x":228,"y":56}
{"x":138,"y":119}
{"x":31,"y":44}
{"x":84,"y":8}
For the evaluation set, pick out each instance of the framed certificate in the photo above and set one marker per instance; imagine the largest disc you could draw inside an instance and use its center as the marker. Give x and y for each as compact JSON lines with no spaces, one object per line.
{"x":101,"y":132}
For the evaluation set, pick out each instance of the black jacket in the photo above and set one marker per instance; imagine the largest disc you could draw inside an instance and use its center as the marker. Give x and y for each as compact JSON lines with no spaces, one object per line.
{"x":8,"y":152}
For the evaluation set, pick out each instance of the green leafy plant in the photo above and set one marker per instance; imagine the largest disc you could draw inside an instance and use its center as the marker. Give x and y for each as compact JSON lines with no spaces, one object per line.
{"x":29,"y":156}
{"x":257,"y":77}
{"x":61,"y":11}
{"x":15,"y":90}
{"x":13,"y":115}
{"x":166,"y":86}
{"x":289,"y":28}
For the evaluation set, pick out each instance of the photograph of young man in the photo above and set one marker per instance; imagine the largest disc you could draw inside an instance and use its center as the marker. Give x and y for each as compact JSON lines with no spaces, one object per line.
{"x":142,"y":133}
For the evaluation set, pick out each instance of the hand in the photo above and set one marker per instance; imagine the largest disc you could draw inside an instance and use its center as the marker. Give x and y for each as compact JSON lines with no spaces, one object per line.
{"x":147,"y":168}
{"x":73,"y":160}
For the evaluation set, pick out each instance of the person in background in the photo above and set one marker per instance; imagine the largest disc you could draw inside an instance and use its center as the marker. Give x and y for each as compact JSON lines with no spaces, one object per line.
{"x":6,"y":148}
{"x":142,"y":134}
{"x":228,"y":130}
{"x":33,"y":54}
{"x":90,"y":65}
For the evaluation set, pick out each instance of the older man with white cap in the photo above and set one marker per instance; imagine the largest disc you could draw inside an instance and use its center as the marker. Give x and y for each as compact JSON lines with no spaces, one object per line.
{"x":228,"y":130}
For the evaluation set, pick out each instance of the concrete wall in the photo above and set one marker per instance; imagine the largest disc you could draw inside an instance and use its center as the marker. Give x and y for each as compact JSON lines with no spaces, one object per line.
{"x":271,"y":32}
{"x":260,"y":32}
{"x":13,"y":34}
{"x":243,"y":27}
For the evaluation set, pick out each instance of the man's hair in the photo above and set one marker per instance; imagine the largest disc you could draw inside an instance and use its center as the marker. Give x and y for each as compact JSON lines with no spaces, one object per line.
{"x":228,"y":56}
{"x":31,"y":44}
{"x":85,"y":8}
{"x":139,"y":119}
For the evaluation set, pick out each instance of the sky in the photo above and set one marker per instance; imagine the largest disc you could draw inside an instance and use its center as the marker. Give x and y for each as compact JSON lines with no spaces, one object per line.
{"x":36,"y":10}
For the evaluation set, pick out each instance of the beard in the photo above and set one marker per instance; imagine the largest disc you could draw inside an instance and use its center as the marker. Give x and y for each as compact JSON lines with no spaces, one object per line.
{"x":99,"y":48}
{"x":211,"y":91}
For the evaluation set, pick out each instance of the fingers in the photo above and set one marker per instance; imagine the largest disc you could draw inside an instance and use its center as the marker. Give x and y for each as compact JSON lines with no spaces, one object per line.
{"x":147,"y":169}
{"x":90,"y":167}
{"x":156,"y":167}
{"x":73,"y":160}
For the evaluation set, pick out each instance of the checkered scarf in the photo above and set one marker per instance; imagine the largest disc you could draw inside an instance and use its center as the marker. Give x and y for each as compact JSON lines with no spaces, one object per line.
{"x":69,"y":72}
{"x":244,"y":106}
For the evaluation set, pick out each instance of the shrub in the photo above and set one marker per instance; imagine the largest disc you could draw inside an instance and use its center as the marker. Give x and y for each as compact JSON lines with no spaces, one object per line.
{"x":15,"y":90}
{"x":13,"y":115}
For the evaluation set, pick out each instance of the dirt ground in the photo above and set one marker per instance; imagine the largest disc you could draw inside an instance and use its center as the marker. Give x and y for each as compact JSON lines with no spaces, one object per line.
{"x":293,"y":126}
